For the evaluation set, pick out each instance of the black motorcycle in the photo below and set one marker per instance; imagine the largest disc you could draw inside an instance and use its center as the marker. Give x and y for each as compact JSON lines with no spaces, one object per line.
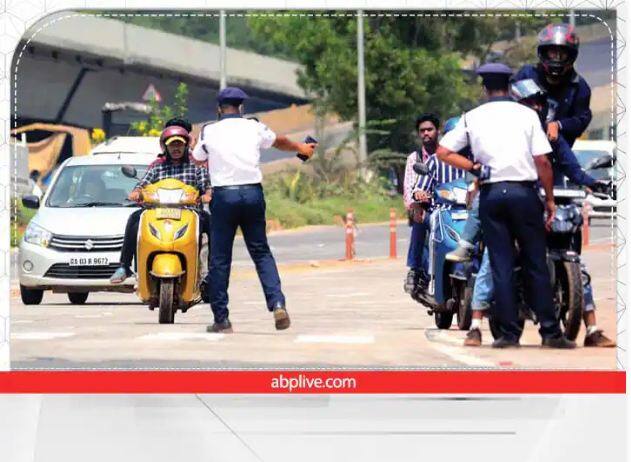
{"x":564,"y":242}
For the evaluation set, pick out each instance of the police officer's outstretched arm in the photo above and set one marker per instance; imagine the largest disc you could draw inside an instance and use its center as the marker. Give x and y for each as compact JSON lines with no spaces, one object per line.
{"x":451,"y":143}
{"x":285,"y":144}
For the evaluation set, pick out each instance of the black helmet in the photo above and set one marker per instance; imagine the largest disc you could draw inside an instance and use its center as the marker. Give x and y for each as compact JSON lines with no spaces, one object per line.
{"x":527,"y":92}
{"x":557,"y":35}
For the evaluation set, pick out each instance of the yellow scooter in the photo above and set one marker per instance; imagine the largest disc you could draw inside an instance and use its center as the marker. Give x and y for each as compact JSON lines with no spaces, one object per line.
{"x":167,"y":258}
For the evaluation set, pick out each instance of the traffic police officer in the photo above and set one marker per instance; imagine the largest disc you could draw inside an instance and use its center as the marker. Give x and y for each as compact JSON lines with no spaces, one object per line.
{"x":232,"y":148}
{"x":507,"y":137}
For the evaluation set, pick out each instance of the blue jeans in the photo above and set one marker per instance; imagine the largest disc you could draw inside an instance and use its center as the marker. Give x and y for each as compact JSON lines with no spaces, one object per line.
{"x":483,"y":289}
{"x":417,"y":242}
{"x":244,"y":208}
{"x":472,"y":232}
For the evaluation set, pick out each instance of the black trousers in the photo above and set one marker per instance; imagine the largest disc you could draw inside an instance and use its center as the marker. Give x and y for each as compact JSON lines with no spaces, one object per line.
{"x":128,"y":252}
{"x":513,"y":211}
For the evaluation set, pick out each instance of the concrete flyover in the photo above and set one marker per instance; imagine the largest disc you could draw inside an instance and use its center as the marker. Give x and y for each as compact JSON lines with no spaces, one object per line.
{"x":70,"y":65}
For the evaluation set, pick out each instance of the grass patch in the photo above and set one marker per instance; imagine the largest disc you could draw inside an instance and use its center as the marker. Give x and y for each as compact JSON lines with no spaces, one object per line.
{"x":295,"y":201}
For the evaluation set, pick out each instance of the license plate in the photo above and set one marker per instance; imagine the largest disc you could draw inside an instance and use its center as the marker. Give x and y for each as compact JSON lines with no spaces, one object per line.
{"x":173,"y":214}
{"x":459,"y":215}
{"x":89,"y":261}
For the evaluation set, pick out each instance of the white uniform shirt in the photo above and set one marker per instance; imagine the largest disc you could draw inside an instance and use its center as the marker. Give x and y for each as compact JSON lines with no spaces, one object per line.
{"x":232,"y":147}
{"x":503,"y":135}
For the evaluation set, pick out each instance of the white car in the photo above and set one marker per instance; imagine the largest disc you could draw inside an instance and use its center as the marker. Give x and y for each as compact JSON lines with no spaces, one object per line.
{"x":72,"y":245}
{"x":588,"y":152}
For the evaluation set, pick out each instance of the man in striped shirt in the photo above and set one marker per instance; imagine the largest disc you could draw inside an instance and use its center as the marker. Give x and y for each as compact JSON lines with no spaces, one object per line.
{"x":438,"y":172}
{"x":427,"y":128}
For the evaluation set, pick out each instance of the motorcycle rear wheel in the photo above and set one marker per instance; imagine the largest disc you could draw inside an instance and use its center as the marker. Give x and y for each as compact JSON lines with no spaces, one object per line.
{"x":568,"y":290}
{"x":464,"y":307}
{"x":166,"y":302}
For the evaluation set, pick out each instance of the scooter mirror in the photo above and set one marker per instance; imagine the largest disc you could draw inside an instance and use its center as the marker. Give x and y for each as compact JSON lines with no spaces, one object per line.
{"x":420,"y":168}
{"x":129,"y":171}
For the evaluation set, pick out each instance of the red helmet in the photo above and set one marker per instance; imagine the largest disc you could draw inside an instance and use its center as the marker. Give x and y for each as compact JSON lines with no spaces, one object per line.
{"x":562,"y":36}
{"x":174,"y":132}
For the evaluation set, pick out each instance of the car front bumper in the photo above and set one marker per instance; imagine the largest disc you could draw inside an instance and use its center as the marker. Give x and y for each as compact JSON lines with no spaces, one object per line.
{"x":49,"y":269}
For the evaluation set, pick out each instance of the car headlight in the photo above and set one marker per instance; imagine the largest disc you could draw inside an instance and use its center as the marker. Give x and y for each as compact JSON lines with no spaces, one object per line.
{"x":37,"y":235}
{"x":170,"y":196}
{"x":180,"y":232}
{"x":155,"y":231}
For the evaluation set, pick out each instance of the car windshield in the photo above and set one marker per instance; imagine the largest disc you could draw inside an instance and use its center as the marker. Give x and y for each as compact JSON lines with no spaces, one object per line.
{"x":93,"y":186}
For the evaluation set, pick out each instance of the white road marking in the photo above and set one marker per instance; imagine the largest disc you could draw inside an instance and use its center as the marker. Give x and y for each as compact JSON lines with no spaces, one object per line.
{"x":40,"y":335}
{"x":22,"y":321}
{"x":457,"y":354}
{"x":173,"y":336}
{"x":345,"y":339}
{"x":88,"y":316}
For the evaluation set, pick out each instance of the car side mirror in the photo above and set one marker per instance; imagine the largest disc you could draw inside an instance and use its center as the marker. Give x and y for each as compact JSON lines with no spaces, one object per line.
{"x":30,"y":202}
{"x":602,"y":162}
{"x":420,"y":168}
{"x":129,"y":171}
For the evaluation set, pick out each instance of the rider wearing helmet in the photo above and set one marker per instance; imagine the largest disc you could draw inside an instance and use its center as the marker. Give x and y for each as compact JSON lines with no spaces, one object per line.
{"x":175,"y":142}
{"x":568,"y":93}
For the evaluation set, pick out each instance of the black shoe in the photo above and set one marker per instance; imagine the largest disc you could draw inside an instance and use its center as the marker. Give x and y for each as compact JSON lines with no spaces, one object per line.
{"x":410,"y":281}
{"x":281,"y":317}
{"x":505,"y":343}
{"x":223,"y":327}
{"x":558,"y":342}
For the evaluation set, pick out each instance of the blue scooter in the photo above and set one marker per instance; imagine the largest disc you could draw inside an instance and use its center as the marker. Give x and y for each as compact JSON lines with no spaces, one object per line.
{"x":445,"y":287}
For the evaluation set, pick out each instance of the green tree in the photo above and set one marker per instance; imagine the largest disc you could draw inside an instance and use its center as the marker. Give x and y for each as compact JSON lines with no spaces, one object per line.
{"x":402,"y":79}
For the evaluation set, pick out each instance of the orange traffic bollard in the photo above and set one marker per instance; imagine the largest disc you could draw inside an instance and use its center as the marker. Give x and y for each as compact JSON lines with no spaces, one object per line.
{"x":585,"y":230}
{"x":350,"y":236}
{"x":393,"y":233}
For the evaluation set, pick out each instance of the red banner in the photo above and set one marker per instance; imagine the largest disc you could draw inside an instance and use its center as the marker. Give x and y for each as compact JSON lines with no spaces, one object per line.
{"x":324,"y":382}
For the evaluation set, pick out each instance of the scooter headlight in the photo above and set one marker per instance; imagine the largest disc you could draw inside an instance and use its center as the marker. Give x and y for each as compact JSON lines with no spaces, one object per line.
{"x":154,"y":231}
{"x":457,"y":195}
{"x":35,"y":234}
{"x":170,"y":196}
{"x":180,"y":232}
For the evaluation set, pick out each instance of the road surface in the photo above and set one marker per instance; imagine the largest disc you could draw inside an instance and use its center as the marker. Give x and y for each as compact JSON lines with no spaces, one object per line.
{"x":344,"y":314}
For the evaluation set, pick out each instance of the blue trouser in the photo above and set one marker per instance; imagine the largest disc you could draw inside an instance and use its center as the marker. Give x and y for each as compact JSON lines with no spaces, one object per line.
{"x":509,"y":211}
{"x":472,"y":231}
{"x":417,"y":242}
{"x":483,"y":288}
{"x":245,"y":208}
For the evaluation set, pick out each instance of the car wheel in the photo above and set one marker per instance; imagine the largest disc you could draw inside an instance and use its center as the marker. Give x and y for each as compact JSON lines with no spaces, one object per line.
{"x":31,"y":296}
{"x":78,"y":298}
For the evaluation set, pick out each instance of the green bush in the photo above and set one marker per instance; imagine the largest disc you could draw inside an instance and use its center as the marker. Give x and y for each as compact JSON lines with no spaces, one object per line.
{"x":19,"y":221}
{"x":297,"y":199}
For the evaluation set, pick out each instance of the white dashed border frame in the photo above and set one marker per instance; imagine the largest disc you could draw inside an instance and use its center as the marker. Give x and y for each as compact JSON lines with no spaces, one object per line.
{"x":19,"y":17}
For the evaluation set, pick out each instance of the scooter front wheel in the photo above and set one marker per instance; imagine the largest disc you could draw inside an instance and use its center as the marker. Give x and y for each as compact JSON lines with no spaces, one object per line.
{"x":167,"y":308}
